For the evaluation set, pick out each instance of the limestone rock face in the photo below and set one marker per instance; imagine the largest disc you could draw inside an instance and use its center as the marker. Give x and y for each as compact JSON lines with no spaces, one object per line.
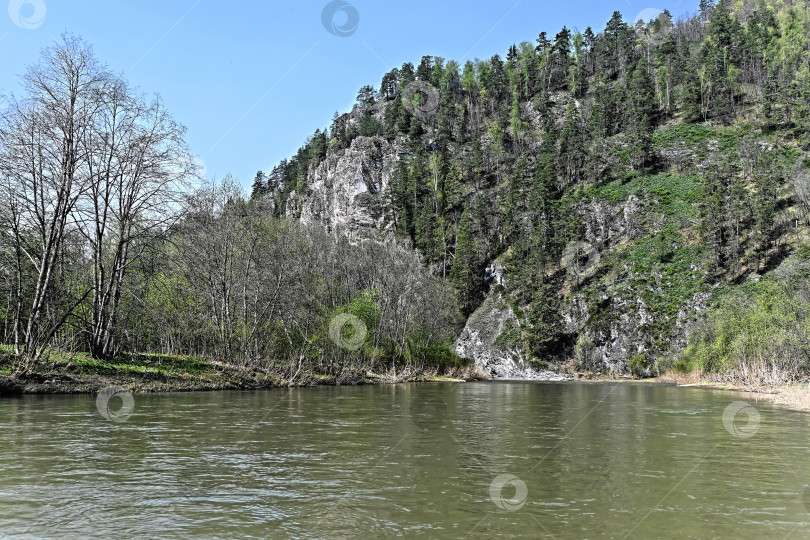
{"x":606,"y":222}
{"x":485,"y":340}
{"x":347,"y":189}
{"x":616,"y":338}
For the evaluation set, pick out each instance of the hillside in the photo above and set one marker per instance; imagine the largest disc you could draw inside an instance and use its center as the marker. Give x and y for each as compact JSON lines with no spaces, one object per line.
{"x":596,"y":198}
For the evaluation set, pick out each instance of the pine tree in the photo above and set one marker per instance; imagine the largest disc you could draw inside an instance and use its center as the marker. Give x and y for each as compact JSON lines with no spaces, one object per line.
{"x":543,"y":44}
{"x":545,"y":321}
{"x":690,"y":95}
{"x":712,"y":217}
{"x":465,"y":272}
{"x":767,"y":179}
{"x":572,"y":146}
{"x":390,"y":84}
{"x":640,"y":96}
{"x":403,"y":202}
{"x":259,"y":187}
{"x":425,"y":239}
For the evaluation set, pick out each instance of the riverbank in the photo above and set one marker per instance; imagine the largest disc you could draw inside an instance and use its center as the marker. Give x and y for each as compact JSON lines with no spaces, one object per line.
{"x":80,"y":374}
{"x":793,"y":396}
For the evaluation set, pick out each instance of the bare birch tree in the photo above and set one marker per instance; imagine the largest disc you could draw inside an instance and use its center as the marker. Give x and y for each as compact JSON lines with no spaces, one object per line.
{"x":82,"y":156}
{"x":138,"y":170}
{"x":44,"y":175}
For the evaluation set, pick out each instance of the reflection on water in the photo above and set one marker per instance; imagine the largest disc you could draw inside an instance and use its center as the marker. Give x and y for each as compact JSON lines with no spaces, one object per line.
{"x":470,"y":460}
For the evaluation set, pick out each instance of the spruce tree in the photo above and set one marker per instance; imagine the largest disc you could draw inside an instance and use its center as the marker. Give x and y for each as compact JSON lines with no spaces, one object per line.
{"x":465,"y":272}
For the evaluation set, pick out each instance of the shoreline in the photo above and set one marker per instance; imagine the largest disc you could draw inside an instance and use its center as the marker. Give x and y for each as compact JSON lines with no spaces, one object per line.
{"x":79,"y":374}
{"x":58,"y":383}
{"x":162,"y":374}
{"x":794,"y":396}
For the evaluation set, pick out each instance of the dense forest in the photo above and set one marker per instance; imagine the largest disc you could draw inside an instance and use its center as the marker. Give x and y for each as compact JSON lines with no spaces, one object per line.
{"x":695,"y":129}
{"x":650,"y":179}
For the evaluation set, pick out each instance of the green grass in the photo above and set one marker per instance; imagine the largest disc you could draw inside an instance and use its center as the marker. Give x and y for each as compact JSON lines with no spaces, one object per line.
{"x":667,"y":194}
{"x":6,"y":359}
{"x":697,"y":136}
{"x":661,"y":273}
{"x":124,"y":364}
{"x":662,"y":267}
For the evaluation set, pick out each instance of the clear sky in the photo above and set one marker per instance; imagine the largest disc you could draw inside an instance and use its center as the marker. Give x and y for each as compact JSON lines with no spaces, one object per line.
{"x":252,"y":79}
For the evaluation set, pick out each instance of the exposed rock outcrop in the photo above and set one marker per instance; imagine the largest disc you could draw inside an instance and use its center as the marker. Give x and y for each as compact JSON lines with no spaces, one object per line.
{"x":347,"y":190}
{"x":486,"y":340}
{"x":605,"y":222}
{"x":350,"y":190}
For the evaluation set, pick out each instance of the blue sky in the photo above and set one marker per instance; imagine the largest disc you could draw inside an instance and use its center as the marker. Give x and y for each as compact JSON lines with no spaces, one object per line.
{"x":251,"y":80}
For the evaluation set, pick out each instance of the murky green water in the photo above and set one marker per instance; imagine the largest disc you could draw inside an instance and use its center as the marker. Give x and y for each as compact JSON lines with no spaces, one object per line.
{"x":597,"y":461}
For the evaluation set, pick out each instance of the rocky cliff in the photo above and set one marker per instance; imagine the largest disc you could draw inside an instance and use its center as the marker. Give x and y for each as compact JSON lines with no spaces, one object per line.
{"x":487,"y":340}
{"x":613,"y":188}
{"x":616,"y":317}
{"x":347,"y":190}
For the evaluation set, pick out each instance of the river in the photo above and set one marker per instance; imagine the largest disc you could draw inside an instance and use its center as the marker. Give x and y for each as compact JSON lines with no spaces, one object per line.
{"x":439,"y":460}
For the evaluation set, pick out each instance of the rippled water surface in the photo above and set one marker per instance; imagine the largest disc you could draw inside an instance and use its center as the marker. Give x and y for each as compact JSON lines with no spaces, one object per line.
{"x":596,"y":460}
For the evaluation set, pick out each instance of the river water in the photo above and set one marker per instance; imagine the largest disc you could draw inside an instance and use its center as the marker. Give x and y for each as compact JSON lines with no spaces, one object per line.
{"x":443,"y":460}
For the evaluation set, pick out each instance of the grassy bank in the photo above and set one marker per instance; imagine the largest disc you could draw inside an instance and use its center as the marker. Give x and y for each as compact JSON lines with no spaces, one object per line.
{"x":63,"y":373}
{"x":75,"y":373}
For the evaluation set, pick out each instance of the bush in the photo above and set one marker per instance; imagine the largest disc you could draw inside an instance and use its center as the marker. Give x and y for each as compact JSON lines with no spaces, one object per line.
{"x":538,"y":364}
{"x":682,"y":366}
{"x":639,"y":365}
{"x":757,"y":324}
{"x":442,"y":357}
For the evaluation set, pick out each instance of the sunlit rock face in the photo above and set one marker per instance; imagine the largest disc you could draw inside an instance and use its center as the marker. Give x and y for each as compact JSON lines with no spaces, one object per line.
{"x":350,"y":192}
{"x":347,"y":190}
{"x":485,"y":340}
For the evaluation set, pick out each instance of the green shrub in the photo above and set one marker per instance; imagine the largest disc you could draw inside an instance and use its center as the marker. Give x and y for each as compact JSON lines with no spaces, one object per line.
{"x":682,"y":366}
{"x":639,"y":365}
{"x":442,"y":357}
{"x":756,"y":324}
{"x":538,"y":364}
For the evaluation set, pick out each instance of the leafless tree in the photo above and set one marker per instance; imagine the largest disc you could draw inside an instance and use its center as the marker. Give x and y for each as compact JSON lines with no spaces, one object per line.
{"x":801,"y":186}
{"x":82,"y":156}
{"x":43,"y":169}
{"x":139,"y":170}
{"x":253,"y":290}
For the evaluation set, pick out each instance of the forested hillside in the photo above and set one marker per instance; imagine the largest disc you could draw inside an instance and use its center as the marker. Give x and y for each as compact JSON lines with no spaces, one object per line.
{"x":598,"y":190}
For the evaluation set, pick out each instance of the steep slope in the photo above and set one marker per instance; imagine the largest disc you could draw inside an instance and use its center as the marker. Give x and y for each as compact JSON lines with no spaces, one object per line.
{"x":614,"y":191}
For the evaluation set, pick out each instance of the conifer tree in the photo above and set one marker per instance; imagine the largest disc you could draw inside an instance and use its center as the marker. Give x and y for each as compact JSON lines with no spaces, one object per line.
{"x":465,"y":272}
